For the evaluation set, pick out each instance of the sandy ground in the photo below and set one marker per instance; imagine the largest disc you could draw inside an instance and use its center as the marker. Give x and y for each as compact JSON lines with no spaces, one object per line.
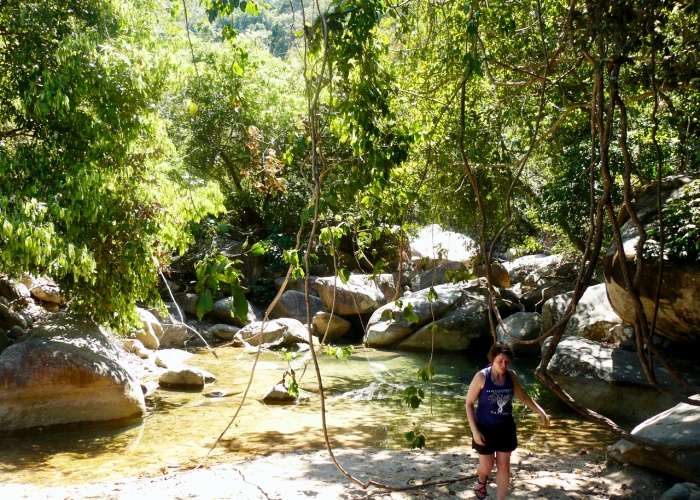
{"x":312,"y":474}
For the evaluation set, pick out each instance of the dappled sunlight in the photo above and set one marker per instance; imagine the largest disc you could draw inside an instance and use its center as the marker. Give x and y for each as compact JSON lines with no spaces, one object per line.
{"x":364,"y":411}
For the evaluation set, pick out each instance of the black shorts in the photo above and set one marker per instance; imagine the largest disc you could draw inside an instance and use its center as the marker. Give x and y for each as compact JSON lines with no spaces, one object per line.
{"x":498,"y":438}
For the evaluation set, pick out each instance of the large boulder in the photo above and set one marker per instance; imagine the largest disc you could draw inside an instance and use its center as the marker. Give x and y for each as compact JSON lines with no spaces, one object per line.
{"x":608,"y":380}
{"x":523,"y":326}
{"x":43,"y":289}
{"x":433,"y":246}
{"x":362,"y":294}
{"x":593,"y":319}
{"x":276,"y":333}
{"x":292,"y":304}
{"x":438,"y":275}
{"x":678,"y":426}
{"x":66,"y":371}
{"x":330,"y":325}
{"x":223,"y":311}
{"x":532,"y":268}
{"x":456,"y":330}
{"x":390,"y":324}
{"x":679,"y":299}
{"x":151,"y":330}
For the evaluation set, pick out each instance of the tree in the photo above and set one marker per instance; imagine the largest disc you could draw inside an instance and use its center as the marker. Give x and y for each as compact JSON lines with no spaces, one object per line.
{"x":89,"y":189}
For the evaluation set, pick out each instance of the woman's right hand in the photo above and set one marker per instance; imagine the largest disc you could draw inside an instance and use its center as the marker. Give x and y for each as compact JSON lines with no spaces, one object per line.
{"x":479,"y":438}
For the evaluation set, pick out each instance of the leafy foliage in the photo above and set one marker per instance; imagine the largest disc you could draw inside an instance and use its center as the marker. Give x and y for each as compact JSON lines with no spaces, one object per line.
{"x":681,"y":217}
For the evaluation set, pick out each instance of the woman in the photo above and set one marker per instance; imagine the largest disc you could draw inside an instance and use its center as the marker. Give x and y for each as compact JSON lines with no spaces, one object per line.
{"x":491,"y":423}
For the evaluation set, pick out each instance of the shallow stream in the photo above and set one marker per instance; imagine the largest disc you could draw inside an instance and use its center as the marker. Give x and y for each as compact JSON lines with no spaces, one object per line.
{"x":364,"y":409}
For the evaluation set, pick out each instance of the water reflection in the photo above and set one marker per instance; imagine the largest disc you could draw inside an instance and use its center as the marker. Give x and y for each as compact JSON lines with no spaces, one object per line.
{"x":364,"y":410}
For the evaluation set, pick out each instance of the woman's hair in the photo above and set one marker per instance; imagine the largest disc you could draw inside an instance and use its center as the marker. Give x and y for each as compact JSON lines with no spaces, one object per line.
{"x":501,"y":348}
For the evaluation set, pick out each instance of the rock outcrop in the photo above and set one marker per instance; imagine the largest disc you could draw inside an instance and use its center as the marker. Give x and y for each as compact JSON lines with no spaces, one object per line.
{"x":608,"y":380}
{"x":679,"y":426}
{"x":66,"y":371}
{"x":679,"y":301}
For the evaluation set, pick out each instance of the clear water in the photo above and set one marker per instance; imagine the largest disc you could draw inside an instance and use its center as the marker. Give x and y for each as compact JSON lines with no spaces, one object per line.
{"x":363,"y":409}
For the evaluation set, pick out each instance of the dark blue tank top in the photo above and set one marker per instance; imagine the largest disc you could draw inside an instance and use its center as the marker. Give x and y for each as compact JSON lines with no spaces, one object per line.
{"x":495,"y":403}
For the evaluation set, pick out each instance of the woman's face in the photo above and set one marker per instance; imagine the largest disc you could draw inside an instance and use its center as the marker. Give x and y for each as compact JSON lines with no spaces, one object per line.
{"x":501,"y":363}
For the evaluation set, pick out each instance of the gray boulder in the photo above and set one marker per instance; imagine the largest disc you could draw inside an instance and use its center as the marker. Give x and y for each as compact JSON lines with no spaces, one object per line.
{"x":279,"y":394}
{"x":682,"y":491}
{"x":523,"y":326}
{"x":593,"y":319}
{"x":500,"y":276}
{"x":175,"y":336}
{"x":292,"y":304}
{"x":185,"y":377}
{"x":433,"y":246}
{"x":298,"y":285}
{"x":608,"y":380}
{"x":223,"y":331}
{"x":223,"y":311}
{"x":389,"y":325}
{"x":280,"y":332}
{"x":455,"y":330}
{"x":678,"y":426}
{"x":66,"y":371}
{"x":531,"y":268}
{"x":436,"y":276}
{"x":362,"y":294}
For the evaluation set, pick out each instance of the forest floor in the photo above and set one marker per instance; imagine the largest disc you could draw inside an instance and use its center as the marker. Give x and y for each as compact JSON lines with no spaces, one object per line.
{"x":311,"y":474}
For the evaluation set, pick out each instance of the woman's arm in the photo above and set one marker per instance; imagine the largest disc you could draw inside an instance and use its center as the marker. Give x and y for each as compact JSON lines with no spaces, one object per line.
{"x":472,"y":395}
{"x":526,"y":399}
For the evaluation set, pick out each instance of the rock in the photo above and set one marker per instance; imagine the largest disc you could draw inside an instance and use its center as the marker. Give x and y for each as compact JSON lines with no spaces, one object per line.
{"x":534,"y":300}
{"x":187,"y":302}
{"x":170,"y":358}
{"x":135,"y":346}
{"x":593,"y":319}
{"x":298,"y":285}
{"x":44,"y":289}
{"x":608,"y":380}
{"x":4,"y":340}
{"x":66,"y":371}
{"x":677,"y":426}
{"x":500,"y":276}
{"x":251,"y":265}
{"x":14,"y":292}
{"x":679,"y":301}
{"x":174,"y":336}
{"x":151,"y":331}
{"x":223,"y":331}
{"x":335,"y":325}
{"x":292,"y":304}
{"x":223,"y":311}
{"x":277,"y":333}
{"x":388,"y":325}
{"x":682,"y":491}
{"x":538,"y":264}
{"x":454,"y":331}
{"x":16,"y":332}
{"x":279,"y":394}
{"x":523,"y":326}
{"x":9,"y":317}
{"x":433,"y":246}
{"x":185,"y":377}
{"x":360,"y":295}
{"x":437,"y":275}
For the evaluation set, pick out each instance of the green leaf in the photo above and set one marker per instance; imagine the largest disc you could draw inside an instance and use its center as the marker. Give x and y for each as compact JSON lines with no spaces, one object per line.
{"x":240,"y":304}
{"x":261,"y":247}
{"x":204,"y":303}
{"x":237,"y":69}
{"x":432,"y":294}
{"x":344,"y":275}
{"x":409,"y":315}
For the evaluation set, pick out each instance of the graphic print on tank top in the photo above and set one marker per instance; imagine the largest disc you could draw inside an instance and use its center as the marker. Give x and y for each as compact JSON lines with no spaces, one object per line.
{"x":495,"y":403}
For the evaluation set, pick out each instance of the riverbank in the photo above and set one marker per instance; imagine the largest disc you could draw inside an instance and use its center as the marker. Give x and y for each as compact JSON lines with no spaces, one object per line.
{"x":580,"y":474}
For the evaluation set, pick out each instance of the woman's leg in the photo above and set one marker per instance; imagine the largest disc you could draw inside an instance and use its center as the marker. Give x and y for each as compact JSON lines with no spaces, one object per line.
{"x":485,"y":466}
{"x":502,"y":474}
